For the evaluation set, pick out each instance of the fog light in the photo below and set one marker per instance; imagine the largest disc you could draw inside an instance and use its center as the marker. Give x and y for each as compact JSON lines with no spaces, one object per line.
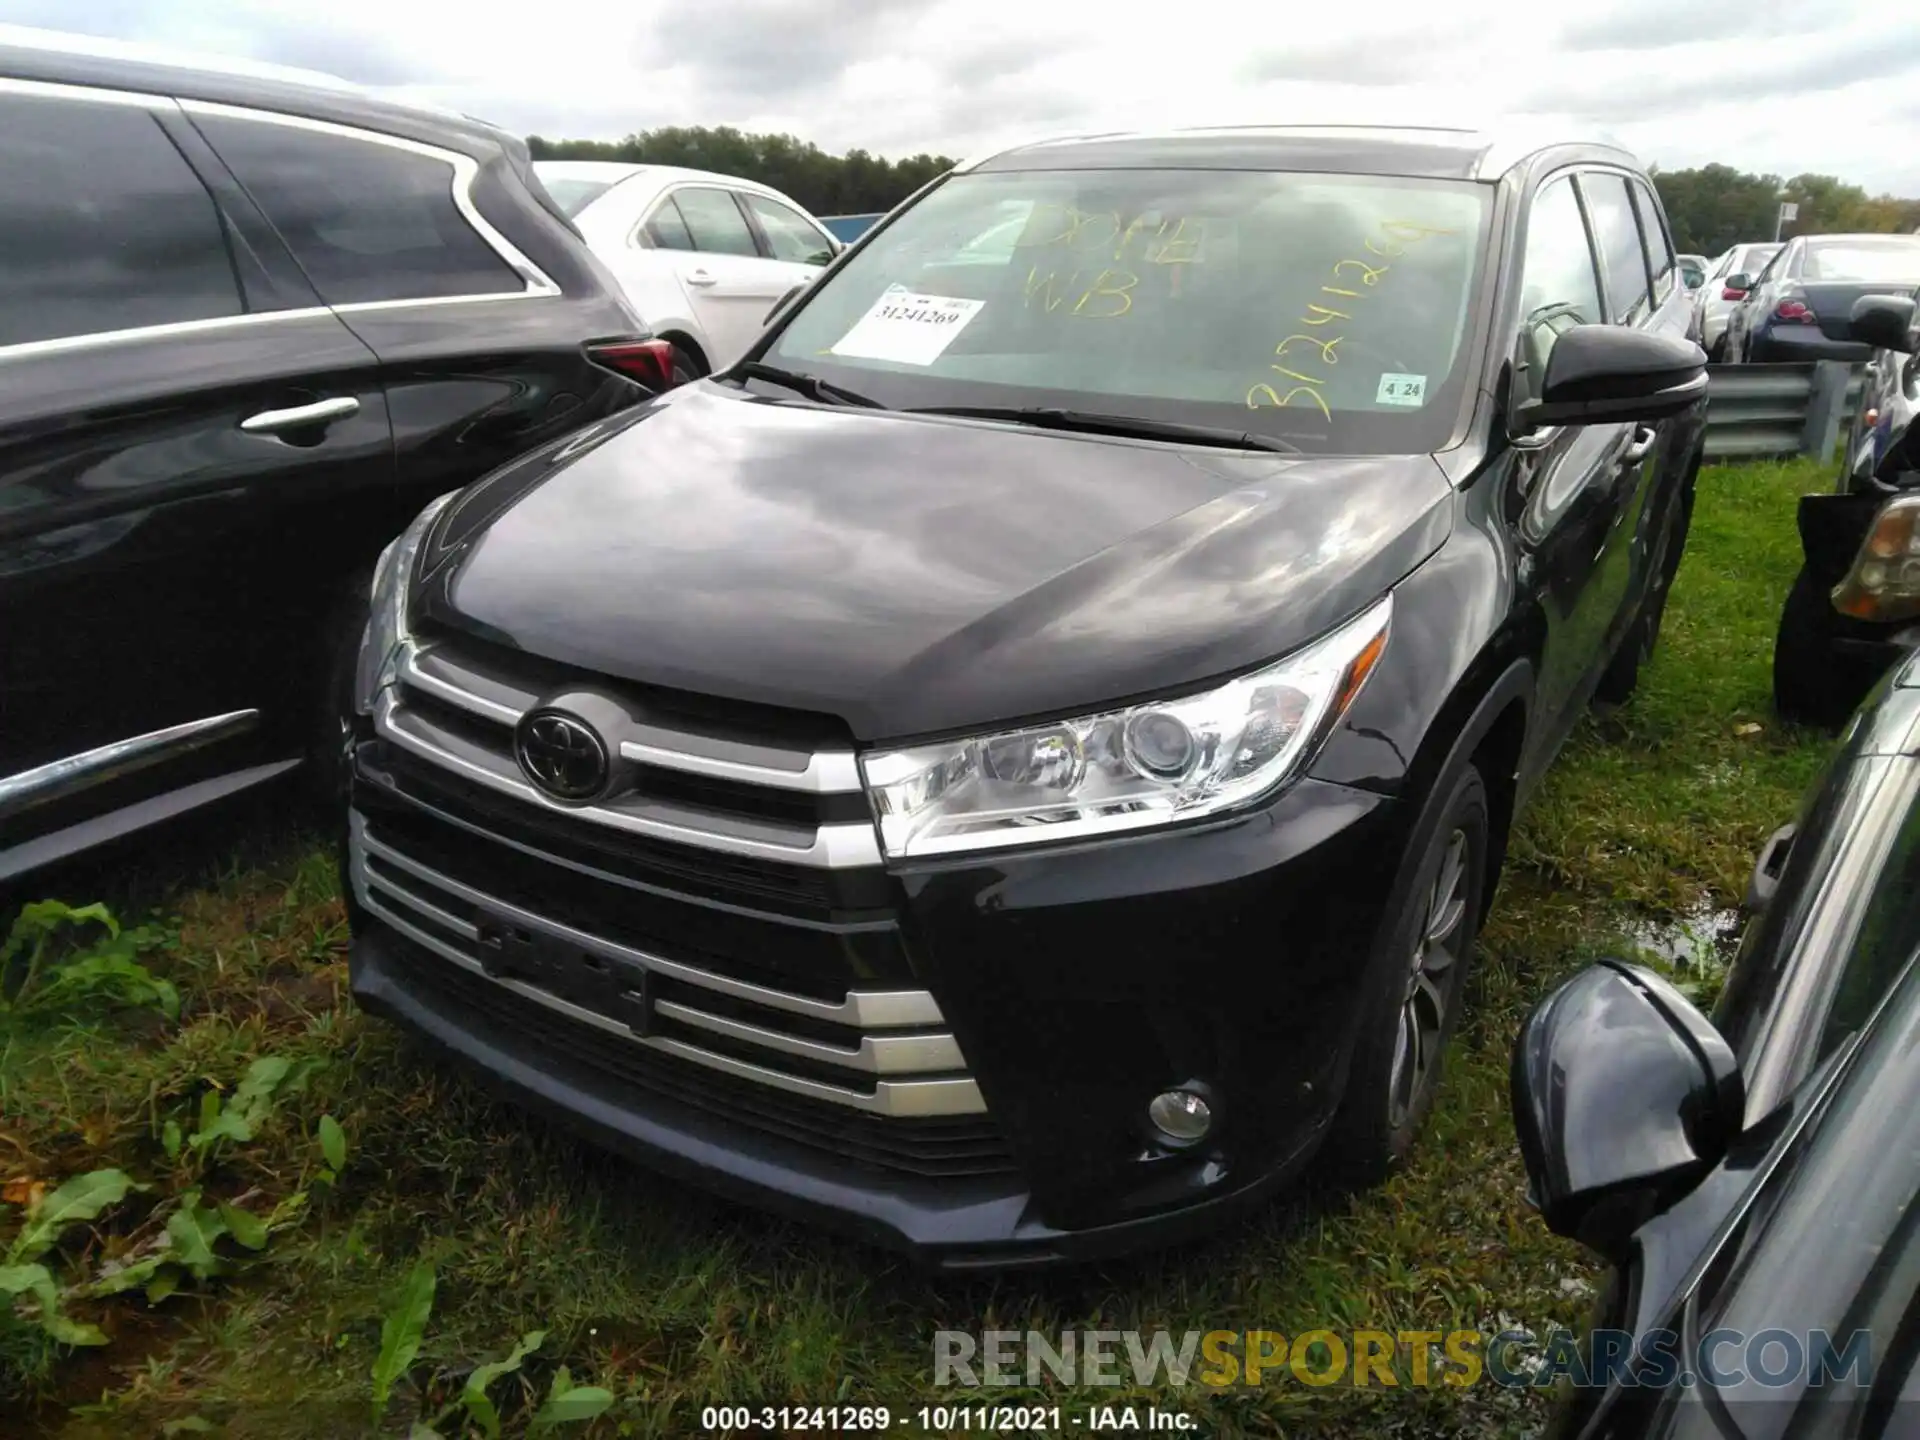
{"x":1182,"y":1117}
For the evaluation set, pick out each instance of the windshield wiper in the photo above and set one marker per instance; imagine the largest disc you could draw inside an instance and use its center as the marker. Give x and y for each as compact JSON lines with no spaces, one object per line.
{"x":811,"y":386}
{"x":1092,"y":423}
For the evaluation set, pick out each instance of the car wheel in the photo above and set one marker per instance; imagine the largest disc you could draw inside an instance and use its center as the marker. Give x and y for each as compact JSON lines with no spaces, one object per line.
{"x":323,"y":775}
{"x":1717,"y":354}
{"x":1812,"y":684}
{"x":686,"y":367}
{"x":1622,"y":675}
{"x":1418,"y":970}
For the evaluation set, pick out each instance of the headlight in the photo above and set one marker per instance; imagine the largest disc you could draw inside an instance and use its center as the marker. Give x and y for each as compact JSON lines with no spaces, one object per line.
{"x":1124,"y":769}
{"x":1884,"y":583}
{"x":387,"y":617}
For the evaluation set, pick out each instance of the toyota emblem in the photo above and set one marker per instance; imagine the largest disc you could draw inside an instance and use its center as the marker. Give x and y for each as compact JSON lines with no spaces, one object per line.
{"x":561,"y":755}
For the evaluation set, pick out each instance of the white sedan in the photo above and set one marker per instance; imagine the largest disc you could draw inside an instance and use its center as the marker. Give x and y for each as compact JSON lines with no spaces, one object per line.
{"x":702,"y":257}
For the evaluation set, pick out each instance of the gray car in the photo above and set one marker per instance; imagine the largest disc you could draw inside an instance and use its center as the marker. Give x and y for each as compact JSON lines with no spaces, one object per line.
{"x":1717,"y":301}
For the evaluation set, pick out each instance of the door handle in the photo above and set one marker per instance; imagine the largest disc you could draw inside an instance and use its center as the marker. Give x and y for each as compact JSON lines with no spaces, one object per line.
{"x":702,"y":278}
{"x":297,"y":417}
{"x":1644,"y":439}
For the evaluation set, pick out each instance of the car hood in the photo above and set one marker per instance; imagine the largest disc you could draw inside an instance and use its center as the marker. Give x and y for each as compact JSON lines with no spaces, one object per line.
{"x":912,"y":574}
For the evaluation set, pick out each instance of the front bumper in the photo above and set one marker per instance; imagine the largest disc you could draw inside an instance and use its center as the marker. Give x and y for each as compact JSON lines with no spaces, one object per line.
{"x":1077,"y":984}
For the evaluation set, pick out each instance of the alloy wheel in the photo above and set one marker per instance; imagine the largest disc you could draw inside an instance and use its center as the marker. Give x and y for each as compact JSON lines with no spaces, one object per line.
{"x":1428,"y":996}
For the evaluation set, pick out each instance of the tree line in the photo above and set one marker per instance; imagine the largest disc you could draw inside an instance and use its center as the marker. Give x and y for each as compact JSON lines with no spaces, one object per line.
{"x":1715,"y":206}
{"x":856,"y":183}
{"x":1710,"y":208}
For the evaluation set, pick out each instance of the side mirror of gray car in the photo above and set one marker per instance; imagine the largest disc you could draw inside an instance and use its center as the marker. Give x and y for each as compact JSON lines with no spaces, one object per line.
{"x":1607,"y":373}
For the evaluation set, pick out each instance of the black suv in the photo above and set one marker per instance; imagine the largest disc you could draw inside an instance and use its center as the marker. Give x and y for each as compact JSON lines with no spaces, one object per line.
{"x":247,"y":328}
{"x":1018,"y":762}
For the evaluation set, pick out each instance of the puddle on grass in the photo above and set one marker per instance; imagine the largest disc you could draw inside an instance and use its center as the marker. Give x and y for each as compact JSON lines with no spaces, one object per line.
{"x":1700,"y":939}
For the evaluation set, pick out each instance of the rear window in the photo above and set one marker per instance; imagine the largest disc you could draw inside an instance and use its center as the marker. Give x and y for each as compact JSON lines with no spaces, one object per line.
{"x":368,"y":221}
{"x":1327,"y":310}
{"x":573,"y":196}
{"x":1895,"y":258}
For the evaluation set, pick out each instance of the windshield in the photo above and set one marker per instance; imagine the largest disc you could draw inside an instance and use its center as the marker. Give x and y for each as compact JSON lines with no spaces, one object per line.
{"x":1895,"y":258}
{"x":1326,"y":310}
{"x":573,"y":196}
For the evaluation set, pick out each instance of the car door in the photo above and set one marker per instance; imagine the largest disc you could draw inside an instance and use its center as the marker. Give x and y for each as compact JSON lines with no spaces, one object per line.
{"x":1752,"y":308}
{"x":729,"y":283}
{"x":1567,"y":479}
{"x":181,"y":426}
{"x":480,"y":350}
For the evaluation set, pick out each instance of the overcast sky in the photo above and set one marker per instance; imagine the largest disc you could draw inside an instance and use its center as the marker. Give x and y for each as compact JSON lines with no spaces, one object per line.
{"x":1766,"y":85}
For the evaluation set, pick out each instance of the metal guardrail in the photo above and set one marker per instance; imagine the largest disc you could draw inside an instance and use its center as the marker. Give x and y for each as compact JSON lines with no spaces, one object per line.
{"x":1760,"y":410}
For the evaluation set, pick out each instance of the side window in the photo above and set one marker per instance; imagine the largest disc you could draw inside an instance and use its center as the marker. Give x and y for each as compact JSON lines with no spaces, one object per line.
{"x":715,"y":222}
{"x":1617,"y":235}
{"x":1659,"y":248}
{"x":790,"y":234}
{"x":1558,"y":286}
{"x":367,"y":221}
{"x":104,"y":226}
{"x":665,"y":230}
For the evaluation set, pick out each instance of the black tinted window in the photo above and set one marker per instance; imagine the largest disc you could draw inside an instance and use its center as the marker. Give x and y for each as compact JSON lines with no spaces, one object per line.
{"x":103,"y":226}
{"x":1659,"y":252}
{"x":1618,"y":237}
{"x":715,"y":221}
{"x":367,"y":221}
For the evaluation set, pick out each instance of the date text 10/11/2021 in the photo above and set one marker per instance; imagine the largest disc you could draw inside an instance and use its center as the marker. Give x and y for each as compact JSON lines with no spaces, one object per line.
{"x":1049,"y":1420}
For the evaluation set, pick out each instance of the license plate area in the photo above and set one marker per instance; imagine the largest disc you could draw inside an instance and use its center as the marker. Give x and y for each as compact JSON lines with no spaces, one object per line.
{"x":616,"y":989}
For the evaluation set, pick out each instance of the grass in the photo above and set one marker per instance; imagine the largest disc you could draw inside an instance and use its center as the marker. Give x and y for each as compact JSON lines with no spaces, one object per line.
{"x":670,"y":1300}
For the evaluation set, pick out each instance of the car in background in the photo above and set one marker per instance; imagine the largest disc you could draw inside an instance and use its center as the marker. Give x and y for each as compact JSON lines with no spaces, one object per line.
{"x":1753,"y":1179}
{"x":249,"y":324}
{"x":1800,"y":306}
{"x":849,"y":228}
{"x":703,"y":257}
{"x":1718,"y":296}
{"x":1854,"y":608}
{"x":1014,"y":768}
{"x":1693,"y":269}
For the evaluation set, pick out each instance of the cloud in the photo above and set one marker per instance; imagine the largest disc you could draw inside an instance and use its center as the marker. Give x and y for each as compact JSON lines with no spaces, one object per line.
{"x":1679,"y":83}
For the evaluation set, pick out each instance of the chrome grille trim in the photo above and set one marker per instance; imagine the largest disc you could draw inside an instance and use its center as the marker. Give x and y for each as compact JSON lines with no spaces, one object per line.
{"x":862,"y":1009}
{"x":920,"y":1056}
{"x":845,"y":846}
{"x":482,"y":691}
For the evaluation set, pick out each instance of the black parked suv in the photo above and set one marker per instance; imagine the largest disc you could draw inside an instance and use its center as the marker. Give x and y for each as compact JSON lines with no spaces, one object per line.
{"x":1018,"y":763}
{"x":247,"y":328}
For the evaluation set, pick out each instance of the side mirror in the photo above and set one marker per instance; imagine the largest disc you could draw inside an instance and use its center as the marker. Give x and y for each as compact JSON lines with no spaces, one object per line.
{"x":1624,"y":1097}
{"x":1737,"y":285}
{"x":1882,"y":321}
{"x":1602,"y":373}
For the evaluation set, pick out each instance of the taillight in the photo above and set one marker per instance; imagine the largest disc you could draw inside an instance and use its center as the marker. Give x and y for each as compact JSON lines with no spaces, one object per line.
{"x":1794,"y":312}
{"x":1729,"y":293}
{"x":650,"y":362}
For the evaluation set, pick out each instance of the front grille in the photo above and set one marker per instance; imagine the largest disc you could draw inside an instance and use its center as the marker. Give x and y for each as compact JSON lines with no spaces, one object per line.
{"x":936,"y":1147}
{"x":739,"y":793}
{"x":885,"y":1052}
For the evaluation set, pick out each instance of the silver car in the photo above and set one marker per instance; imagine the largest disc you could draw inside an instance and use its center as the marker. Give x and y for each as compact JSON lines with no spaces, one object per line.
{"x":1717,"y":301}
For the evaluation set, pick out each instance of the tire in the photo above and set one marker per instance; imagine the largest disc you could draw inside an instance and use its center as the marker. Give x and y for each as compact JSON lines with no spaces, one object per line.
{"x":1622,"y":675}
{"x":686,"y":366}
{"x":1811,"y":683}
{"x":1417,"y":968}
{"x":323,"y":776}
{"x":1717,"y":355}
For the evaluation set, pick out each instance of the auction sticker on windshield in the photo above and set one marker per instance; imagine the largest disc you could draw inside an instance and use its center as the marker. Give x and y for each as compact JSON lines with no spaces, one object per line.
{"x":907,"y":327}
